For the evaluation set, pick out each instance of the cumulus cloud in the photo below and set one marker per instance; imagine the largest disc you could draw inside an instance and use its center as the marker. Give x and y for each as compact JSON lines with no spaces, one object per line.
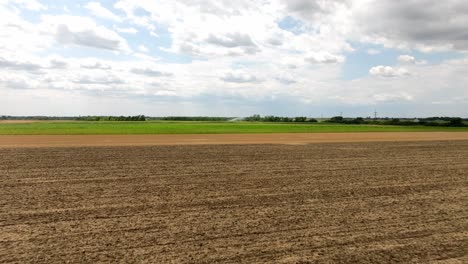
{"x":85,"y":38}
{"x":150,"y":72}
{"x":231,"y":40}
{"x":28,"y":4}
{"x":286,"y":80}
{"x":58,"y":64}
{"x":16,"y":65}
{"x":422,"y":24}
{"x":285,"y":52}
{"x":95,"y":65}
{"x":143,"y":48}
{"x":16,"y":83}
{"x":127,"y":30}
{"x":236,"y":77}
{"x":314,"y":9}
{"x":373,"y":51}
{"x":83,"y":31}
{"x":324,"y":58}
{"x":98,"y":10}
{"x":388,"y":97}
{"x":106,"y":80}
{"x":387,"y":71}
{"x":406,"y":59}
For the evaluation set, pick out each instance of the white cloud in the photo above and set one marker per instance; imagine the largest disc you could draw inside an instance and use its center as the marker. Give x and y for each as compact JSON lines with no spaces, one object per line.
{"x":98,"y":10}
{"x":128,"y":30}
{"x":28,"y":4}
{"x":392,"y":97}
{"x":150,"y":72}
{"x":387,"y":71}
{"x":17,"y":65}
{"x":94,"y":65}
{"x":232,"y":54}
{"x":373,"y":51}
{"x":425,"y":25}
{"x":237,"y":77}
{"x":231,"y":40}
{"x":83,"y":31}
{"x":143,"y":48}
{"x":208,"y":29}
{"x":406,"y":59}
{"x":324,"y":58}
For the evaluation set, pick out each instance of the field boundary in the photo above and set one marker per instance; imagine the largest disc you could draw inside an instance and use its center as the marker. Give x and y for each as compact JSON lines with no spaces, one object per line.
{"x":214,"y":139}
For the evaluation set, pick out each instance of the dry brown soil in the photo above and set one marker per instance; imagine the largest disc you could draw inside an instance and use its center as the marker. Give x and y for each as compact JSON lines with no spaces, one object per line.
{"x":204,"y":139}
{"x":23,"y":121}
{"x":18,"y":121}
{"x":337,"y":202}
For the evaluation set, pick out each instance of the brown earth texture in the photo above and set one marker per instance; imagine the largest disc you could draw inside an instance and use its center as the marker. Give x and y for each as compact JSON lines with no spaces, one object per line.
{"x":206,"y":139}
{"x":374,"y":202}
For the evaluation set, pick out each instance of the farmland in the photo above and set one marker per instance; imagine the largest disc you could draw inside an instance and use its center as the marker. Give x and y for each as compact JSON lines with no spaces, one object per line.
{"x":165,"y":127}
{"x":340,"y":202}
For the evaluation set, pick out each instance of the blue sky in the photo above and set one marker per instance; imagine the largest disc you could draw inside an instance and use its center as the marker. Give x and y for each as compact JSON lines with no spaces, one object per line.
{"x":233,"y":58}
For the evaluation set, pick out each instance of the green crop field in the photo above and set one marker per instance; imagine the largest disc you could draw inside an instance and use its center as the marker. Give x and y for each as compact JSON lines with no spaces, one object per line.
{"x":161,"y":127}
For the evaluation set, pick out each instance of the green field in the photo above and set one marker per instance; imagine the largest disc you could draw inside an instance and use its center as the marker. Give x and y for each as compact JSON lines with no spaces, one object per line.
{"x":161,"y":127}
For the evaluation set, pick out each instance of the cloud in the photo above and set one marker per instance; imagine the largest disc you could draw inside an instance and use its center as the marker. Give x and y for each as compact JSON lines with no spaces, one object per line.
{"x":83,"y":31}
{"x":58,"y":64}
{"x":231,"y":40}
{"x":286,"y":53}
{"x":143,"y":48}
{"x":324,"y":58}
{"x":406,"y":59}
{"x":313,"y":9}
{"x":426,"y":25}
{"x":387,"y":71}
{"x":286,"y":80}
{"x":105,"y":80}
{"x":150,"y":72}
{"x":391,"y":97}
{"x":98,"y":10}
{"x":239,"y":78}
{"x":95,"y":65}
{"x":128,"y":30}
{"x":28,"y":4}
{"x":237,"y":43}
{"x":16,"y":84}
{"x":19,"y":65}
{"x":85,"y":38}
{"x":373,"y":51}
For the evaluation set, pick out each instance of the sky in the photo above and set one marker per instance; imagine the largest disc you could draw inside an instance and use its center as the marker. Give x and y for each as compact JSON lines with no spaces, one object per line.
{"x":234,"y":58}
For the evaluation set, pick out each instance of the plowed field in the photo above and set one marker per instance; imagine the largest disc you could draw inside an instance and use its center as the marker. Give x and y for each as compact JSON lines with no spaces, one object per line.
{"x":339,"y":202}
{"x":217,"y":139}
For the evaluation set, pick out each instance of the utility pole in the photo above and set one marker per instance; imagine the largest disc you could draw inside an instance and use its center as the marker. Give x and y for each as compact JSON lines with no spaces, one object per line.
{"x":375,"y":114}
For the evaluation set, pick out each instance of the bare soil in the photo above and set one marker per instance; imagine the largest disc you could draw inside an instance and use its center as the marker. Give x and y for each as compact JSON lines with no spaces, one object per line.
{"x":379,"y":202}
{"x":206,"y":139}
{"x":27,"y":121}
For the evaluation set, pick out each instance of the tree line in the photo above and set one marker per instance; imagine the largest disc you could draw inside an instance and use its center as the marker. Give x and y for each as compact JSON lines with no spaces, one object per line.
{"x":8,"y":117}
{"x":270,"y":118}
{"x":112,"y":118}
{"x":191,"y":118}
{"x":430,"y":121}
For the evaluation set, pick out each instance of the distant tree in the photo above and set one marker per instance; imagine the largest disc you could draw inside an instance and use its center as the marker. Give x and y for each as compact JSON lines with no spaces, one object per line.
{"x":336,"y":119}
{"x":300,"y":119}
{"x":456,"y":122}
{"x":359,"y":120}
{"x":255,"y":118}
